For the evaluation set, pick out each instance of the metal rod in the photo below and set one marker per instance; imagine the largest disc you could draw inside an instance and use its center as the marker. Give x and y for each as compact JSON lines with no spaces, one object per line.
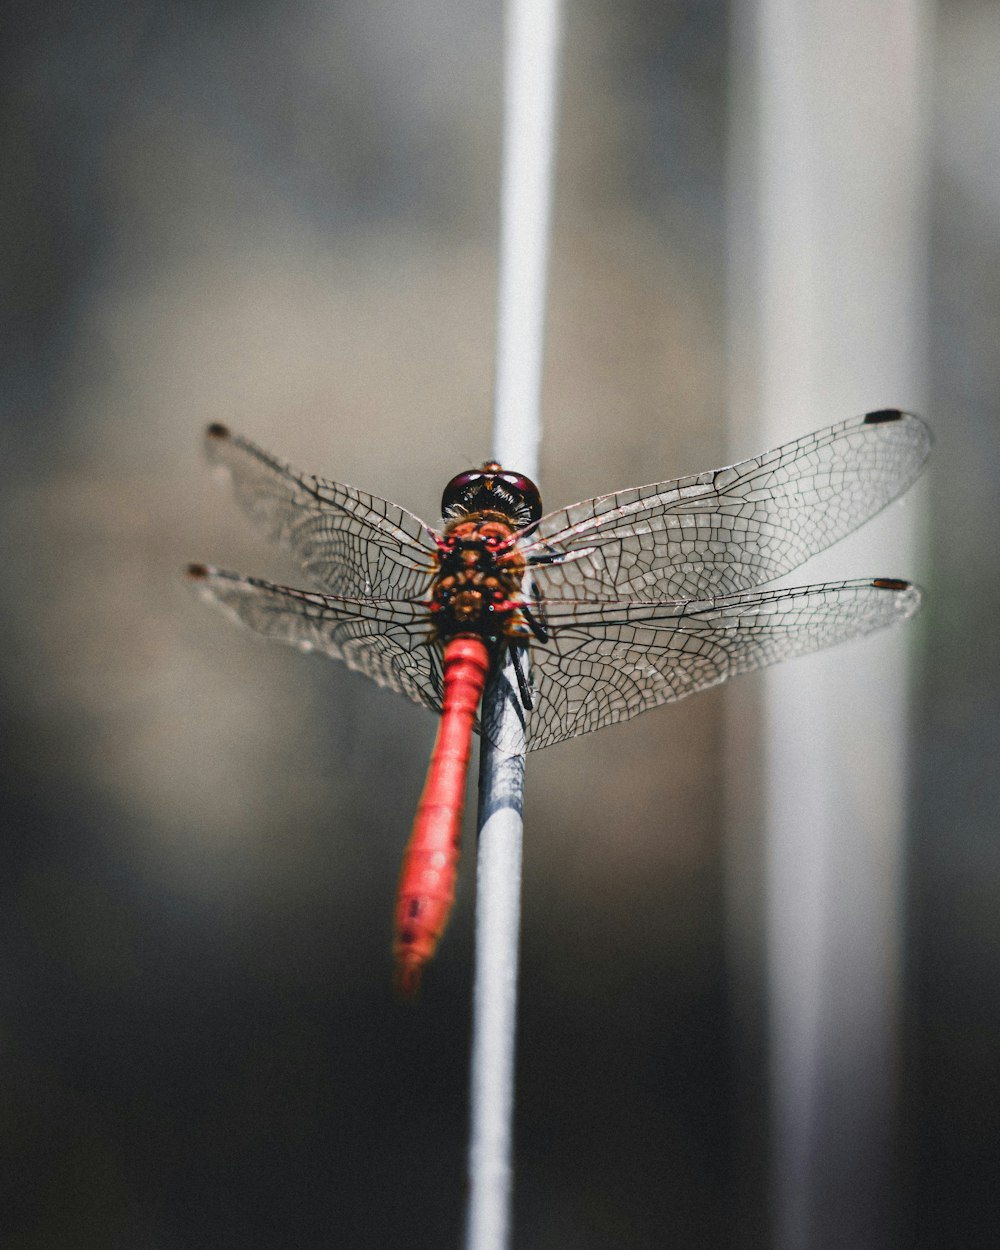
{"x":530,"y":79}
{"x":498,"y":910}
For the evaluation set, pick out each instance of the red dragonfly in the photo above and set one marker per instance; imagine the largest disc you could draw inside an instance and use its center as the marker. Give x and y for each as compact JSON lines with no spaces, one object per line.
{"x":606,"y":608}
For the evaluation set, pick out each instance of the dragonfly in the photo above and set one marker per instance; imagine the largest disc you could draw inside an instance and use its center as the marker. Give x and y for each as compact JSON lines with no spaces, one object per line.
{"x":604,"y":609}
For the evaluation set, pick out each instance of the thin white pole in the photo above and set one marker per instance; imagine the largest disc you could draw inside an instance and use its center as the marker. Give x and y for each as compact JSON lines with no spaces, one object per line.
{"x":498,"y":911}
{"x":530,"y":81}
{"x":827,"y":250}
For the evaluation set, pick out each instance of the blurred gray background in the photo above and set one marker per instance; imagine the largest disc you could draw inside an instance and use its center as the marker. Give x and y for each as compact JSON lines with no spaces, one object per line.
{"x":283,"y":216}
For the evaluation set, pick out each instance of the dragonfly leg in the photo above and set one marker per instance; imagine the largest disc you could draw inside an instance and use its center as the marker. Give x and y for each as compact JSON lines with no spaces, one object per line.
{"x":522,"y":681}
{"x":549,"y":556}
{"x":535,"y":623}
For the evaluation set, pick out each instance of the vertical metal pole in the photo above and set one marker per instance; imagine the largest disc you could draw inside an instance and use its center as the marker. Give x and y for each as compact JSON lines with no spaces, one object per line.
{"x":827,"y":272}
{"x":498,"y":912}
{"x":530,"y":78}
{"x":531,"y":72}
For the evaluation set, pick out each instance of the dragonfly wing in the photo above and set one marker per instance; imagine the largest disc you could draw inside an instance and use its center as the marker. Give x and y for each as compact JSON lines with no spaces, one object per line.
{"x":607,"y":662}
{"x":387,"y":640}
{"x":731,"y":529}
{"x":351,"y":543}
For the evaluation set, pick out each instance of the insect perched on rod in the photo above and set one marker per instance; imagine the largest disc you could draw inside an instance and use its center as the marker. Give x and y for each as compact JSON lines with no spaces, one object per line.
{"x":607,"y":608}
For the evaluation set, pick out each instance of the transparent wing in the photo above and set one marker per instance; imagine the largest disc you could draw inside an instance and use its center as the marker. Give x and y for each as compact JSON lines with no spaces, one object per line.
{"x":387,"y":640}
{"x":607,"y":662}
{"x":349,"y":542}
{"x":730,"y":529}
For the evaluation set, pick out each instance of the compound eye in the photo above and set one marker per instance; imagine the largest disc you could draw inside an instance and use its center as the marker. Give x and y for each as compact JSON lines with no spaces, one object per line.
{"x":526,"y":488}
{"x":492,"y":488}
{"x":460,"y":489}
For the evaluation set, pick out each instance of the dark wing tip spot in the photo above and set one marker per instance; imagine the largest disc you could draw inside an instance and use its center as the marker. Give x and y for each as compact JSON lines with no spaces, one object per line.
{"x":216,"y":430}
{"x":197,"y":572}
{"x":882,"y":414}
{"x":890,"y":583}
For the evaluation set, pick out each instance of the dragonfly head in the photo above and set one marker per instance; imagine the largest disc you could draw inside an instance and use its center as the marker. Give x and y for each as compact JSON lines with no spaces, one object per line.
{"x":492,"y":489}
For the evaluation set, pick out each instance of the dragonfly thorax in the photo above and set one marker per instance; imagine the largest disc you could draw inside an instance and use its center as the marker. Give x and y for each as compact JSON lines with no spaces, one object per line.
{"x":478,"y":579}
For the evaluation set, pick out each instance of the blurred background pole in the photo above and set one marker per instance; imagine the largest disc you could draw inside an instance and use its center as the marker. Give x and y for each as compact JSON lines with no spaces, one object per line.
{"x":827,"y":233}
{"x":529,"y":115}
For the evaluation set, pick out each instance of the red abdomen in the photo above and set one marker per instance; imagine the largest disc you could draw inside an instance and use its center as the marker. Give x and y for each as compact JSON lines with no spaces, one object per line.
{"x":430,"y":862}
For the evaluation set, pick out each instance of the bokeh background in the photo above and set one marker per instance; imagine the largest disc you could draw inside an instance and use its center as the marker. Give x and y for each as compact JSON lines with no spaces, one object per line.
{"x":283,"y":216}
